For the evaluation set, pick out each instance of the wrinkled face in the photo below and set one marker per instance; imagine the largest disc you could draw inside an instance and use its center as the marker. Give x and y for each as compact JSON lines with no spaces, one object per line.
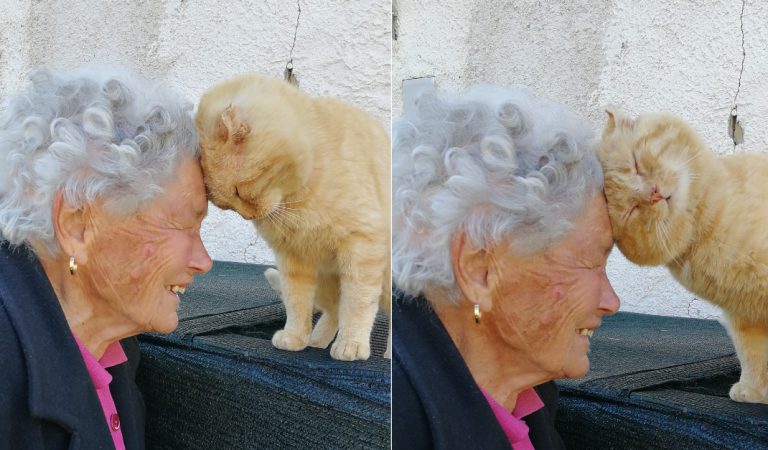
{"x":648,"y":177}
{"x":135,"y":263}
{"x":546,"y":306}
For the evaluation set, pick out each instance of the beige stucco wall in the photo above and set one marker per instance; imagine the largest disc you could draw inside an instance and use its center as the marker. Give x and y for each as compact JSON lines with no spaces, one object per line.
{"x":681,"y":56}
{"x":342,"y":49}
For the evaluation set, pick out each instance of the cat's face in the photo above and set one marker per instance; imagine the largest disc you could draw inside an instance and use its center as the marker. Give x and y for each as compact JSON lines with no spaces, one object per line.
{"x":648,"y":181}
{"x":250,"y":160}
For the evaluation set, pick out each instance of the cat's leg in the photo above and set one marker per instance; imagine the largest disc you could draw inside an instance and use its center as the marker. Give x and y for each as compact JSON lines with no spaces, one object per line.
{"x":327,"y":300}
{"x":361,"y":280}
{"x":751,"y":342}
{"x":298,"y":283}
{"x":273,"y":278}
{"x":385,"y":304}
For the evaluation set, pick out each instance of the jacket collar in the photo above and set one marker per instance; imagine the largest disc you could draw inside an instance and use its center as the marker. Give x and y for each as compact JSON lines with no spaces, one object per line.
{"x":60,"y":389}
{"x":458,"y":412}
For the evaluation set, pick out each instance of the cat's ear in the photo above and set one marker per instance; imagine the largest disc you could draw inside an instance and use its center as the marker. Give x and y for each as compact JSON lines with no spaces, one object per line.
{"x":231,"y":126}
{"x":616,"y":119}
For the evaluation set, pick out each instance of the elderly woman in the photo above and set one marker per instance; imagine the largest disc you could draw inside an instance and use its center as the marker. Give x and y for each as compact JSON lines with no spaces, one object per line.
{"x":101,"y":201}
{"x":500,"y":240}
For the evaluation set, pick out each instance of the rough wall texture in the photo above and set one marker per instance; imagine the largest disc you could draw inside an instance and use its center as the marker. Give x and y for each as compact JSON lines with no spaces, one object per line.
{"x":342,"y":49}
{"x":683,"y":56}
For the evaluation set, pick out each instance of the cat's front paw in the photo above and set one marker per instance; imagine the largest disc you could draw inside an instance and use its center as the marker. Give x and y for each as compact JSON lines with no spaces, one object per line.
{"x":287,"y":341}
{"x":349,"y":350}
{"x":747,"y":393}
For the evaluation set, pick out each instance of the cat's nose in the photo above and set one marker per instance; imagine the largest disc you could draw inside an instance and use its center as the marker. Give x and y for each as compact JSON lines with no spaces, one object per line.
{"x":655,"y":195}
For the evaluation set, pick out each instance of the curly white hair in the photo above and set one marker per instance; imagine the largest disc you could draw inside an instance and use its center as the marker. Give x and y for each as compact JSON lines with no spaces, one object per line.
{"x":92,"y":133}
{"x":499,"y":163}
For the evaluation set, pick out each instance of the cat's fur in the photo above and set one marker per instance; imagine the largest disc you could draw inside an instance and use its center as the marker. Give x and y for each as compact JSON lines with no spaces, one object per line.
{"x":313,"y":175}
{"x":673,"y":201}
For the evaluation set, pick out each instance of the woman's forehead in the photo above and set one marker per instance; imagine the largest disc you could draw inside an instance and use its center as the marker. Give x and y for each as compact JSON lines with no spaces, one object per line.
{"x":184,"y":196}
{"x":590,"y":239}
{"x":592,"y":234}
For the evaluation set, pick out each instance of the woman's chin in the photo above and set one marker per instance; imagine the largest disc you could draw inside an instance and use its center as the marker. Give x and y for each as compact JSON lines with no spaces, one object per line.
{"x":167,"y":319}
{"x":165,"y":325}
{"x":577,"y":369}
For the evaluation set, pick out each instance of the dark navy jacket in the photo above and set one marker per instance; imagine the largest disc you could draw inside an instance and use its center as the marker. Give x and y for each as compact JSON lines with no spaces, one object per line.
{"x":436,"y":402}
{"x":47,"y":398}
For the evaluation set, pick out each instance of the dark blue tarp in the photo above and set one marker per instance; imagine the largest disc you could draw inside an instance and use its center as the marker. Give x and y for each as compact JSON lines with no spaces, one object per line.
{"x":659,"y":383}
{"x":217,"y":382}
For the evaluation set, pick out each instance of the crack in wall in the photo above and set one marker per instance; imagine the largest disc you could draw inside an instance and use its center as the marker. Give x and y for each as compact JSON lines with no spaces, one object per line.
{"x":245,"y":250}
{"x":734,"y":130}
{"x":298,"y":16}
{"x":394,"y":20}
{"x":288,"y":73}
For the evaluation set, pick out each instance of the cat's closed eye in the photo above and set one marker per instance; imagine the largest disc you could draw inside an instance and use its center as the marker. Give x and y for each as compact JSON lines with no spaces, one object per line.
{"x":629,"y":212}
{"x":237,"y":193}
{"x":637,"y":166}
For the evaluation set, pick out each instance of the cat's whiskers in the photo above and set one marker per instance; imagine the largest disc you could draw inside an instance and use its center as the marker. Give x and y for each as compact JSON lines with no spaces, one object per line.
{"x":288,"y":208}
{"x":291,"y":219}
{"x":271,"y":219}
{"x":675,"y":258}
{"x":661,"y":237}
{"x":289,"y":203}
{"x":294,"y":218}
{"x":274,"y":217}
{"x":276,"y":223}
{"x":286,"y":221}
{"x":692,"y":158}
{"x":663,"y":226}
{"x":287,"y":217}
{"x":692,"y":175}
{"x":288,"y":211}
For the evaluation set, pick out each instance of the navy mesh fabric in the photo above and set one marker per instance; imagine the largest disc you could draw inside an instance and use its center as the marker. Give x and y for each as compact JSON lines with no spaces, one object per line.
{"x":662,"y":383}
{"x":218,"y":383}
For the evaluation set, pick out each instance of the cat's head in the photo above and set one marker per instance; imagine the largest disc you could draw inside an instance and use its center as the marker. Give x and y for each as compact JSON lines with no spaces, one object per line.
{"x":650,"y":175}
{"x":254,"y":150}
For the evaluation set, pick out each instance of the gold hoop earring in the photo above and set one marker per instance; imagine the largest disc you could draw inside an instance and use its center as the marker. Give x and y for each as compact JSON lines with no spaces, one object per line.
{"x":72,"y":265}
{"x":478,"y":314}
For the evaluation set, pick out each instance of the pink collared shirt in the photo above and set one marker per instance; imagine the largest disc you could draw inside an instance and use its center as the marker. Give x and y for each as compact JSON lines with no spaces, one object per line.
{"x":528,"y":402}
{"x":113,"y":356}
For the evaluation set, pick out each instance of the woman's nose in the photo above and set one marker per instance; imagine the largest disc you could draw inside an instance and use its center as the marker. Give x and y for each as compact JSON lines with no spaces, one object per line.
{"x":201,"y":262}
{"x":609,"y":301}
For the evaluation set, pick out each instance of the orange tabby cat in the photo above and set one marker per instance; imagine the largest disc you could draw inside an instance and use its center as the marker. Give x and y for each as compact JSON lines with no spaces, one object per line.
{"x":313,"y":175}
{"x":672,"y":201}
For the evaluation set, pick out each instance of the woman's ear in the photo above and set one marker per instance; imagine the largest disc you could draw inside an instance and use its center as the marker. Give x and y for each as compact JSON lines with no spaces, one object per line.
{"x":69,"y":224}
{"x":470,"y":268}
